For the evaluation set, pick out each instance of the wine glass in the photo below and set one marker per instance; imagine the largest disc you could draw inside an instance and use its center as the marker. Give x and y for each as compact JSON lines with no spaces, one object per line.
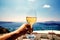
{"x":31,"y":18}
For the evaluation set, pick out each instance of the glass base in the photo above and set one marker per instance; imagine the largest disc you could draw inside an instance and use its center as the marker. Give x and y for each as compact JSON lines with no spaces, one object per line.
{"x":31,"y":36}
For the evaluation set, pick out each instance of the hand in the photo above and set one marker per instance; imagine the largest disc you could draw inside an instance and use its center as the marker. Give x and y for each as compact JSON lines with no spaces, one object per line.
{"x":24,"y":29}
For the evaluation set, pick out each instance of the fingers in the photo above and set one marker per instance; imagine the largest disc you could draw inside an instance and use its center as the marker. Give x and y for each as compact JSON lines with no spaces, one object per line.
{"x":29,"y":28}
{"x":28,"y":25}
{"x":25,"y":28}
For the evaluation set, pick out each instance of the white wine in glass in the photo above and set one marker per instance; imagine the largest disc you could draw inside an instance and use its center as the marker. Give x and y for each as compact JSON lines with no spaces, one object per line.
{"x":31,"y":20}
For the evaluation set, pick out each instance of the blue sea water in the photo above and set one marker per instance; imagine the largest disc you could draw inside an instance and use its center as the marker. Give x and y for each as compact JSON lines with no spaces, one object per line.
{"x":11,"y":26}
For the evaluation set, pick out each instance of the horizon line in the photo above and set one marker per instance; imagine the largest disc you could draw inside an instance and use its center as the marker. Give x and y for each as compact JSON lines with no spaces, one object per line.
{"x":26,"y":21}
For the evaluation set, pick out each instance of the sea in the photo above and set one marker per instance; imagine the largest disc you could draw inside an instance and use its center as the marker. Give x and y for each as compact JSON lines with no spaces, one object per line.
{"x":12,"y":26}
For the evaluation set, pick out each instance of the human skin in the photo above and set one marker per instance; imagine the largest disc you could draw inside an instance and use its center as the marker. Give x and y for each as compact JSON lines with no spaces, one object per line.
{"x":15,"y":34}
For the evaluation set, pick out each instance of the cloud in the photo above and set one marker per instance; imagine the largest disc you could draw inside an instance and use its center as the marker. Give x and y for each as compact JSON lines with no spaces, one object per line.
{"x":31,"y":0}
{"x":46,"y":6}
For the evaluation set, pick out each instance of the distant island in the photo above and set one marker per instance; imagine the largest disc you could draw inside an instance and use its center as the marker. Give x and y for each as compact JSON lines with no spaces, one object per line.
{"x":50,"y":23}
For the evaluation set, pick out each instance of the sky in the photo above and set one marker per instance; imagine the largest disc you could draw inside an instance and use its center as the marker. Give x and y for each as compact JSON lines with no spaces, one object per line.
{"x":17,"y":10}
